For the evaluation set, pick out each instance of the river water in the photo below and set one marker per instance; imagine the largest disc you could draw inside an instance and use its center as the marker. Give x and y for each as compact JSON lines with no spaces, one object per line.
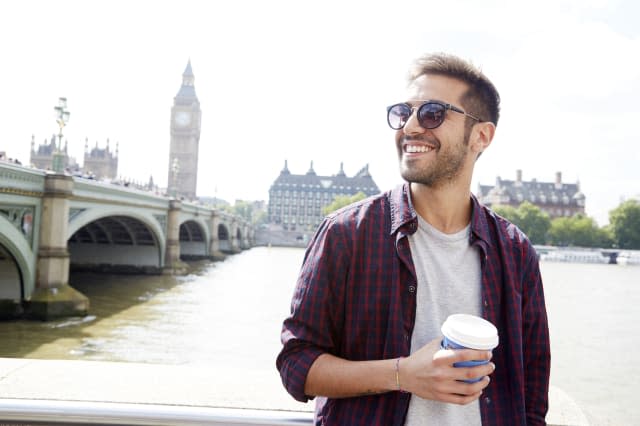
{"x":229,"y":313}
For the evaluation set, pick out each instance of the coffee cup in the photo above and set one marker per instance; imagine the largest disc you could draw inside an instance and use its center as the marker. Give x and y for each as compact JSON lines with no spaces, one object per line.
{"x":463,"y":331}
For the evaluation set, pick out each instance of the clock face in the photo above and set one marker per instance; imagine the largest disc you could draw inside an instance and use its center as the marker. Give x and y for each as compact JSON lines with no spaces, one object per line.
{"x":182,"y":118}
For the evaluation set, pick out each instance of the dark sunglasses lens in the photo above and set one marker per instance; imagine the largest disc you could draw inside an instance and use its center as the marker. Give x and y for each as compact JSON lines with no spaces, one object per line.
{"x":397,"y":116}
{"x":431,"y":115}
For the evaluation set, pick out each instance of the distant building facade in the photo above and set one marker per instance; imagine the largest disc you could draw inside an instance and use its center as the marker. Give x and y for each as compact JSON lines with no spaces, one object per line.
{"x":100,"y":163}
{"x":557,"y":199}
{"x":185,"y":138}
{"x":42,"y":156}
{"x":296,"y":201}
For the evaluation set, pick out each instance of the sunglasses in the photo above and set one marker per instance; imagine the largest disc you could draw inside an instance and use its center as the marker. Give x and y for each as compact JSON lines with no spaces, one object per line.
{"x":430,"y":114}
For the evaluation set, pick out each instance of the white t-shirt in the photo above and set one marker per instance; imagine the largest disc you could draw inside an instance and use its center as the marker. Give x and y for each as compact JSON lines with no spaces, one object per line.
{"x":449,"y":282}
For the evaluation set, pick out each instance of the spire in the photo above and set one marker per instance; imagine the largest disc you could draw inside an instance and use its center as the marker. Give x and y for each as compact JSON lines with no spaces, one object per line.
{"x":311,"y":171}
{"x":187,"y":76}
{"x":341,"y":172}
{"x":285,"y":170}
{"x":364,"y":172}
{"x":86,"y":145}
{"x":33,"y":142}
{"x":188,"y":72}
{"x":187,"y":90}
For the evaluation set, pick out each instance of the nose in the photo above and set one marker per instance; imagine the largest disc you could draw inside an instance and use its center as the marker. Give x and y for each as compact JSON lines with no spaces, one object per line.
{"x":412,"y":126}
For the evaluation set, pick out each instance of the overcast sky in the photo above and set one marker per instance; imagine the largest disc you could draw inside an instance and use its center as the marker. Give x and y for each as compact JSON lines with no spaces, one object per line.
{"x":303,"y":81}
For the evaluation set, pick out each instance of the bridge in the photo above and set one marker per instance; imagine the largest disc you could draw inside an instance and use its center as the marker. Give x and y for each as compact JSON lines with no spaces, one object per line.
{"x":51,"y":223}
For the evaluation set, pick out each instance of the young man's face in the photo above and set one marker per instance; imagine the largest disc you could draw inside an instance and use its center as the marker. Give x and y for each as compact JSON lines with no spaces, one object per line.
{"x":434,"y":157}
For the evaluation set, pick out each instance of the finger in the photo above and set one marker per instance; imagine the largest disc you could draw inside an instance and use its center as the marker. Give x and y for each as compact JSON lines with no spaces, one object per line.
{"x":471,"y":355}
{"x":451,"y":356}
{"x":459,"y":399}
{"x":472,"y":373}
{"x":464,"y":388}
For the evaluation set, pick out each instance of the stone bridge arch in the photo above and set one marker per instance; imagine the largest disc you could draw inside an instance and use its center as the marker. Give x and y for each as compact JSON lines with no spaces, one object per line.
{"x":224,"y":238}
{"x":17,"y":265}
{"x":194,"y":239}
{"x":113,"y":238}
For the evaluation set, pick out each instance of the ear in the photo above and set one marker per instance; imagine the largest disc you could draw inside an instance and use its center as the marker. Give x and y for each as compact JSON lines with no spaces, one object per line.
{"x":481,"y":136}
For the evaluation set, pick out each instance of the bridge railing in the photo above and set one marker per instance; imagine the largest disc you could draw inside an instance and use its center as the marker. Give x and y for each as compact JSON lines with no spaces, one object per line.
{"x":23,"y":412}
{"x":563,"y":411}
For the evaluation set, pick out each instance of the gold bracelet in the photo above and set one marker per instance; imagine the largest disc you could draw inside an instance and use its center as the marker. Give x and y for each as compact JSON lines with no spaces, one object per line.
{"x":398,"y":374}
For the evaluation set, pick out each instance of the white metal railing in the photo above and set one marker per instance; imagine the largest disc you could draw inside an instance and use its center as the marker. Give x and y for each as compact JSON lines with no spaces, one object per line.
{"x":23,"y":412}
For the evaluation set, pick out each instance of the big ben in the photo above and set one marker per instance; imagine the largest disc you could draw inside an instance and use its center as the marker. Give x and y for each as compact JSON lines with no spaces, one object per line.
{"x":185,"y":137}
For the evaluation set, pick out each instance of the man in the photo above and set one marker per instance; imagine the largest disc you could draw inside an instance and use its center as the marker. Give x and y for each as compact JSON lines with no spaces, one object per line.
{"x":380,"y":277}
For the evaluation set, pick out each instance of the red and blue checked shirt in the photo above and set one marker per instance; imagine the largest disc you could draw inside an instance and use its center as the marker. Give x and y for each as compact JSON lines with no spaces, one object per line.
{"x":356,"y":298}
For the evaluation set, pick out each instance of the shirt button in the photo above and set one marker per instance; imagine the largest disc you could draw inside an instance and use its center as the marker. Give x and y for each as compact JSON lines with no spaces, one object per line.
{"x":486,"y":303}
{"x":412,"y":289}
{"x":487,"y":400}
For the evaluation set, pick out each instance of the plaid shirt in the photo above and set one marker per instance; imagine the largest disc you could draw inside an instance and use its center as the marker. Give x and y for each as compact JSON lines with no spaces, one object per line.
{"x":356,"y":298}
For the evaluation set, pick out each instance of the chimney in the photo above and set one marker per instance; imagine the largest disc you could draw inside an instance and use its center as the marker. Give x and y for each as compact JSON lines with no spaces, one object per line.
{"x":558,"y":180}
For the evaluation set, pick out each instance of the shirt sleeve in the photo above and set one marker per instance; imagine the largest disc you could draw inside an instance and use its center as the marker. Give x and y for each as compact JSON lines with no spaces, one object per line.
{"x":316,"y":314}
{"x":537,"y":353}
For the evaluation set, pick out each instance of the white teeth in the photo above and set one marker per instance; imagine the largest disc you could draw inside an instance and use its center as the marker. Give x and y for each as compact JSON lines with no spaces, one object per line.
{"x":414,"y":148}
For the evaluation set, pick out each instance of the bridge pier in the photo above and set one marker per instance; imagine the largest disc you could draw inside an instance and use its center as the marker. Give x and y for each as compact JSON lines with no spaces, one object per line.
{"x":172,"y":263}
{"x":235,"y":242}
{"x":53,"y":297}
{"x":214,"y":248}
{"x":245,"y":245}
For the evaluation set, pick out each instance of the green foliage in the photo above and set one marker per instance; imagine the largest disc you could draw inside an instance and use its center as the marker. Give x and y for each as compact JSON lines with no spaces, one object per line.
{"x":578,"y":230}
{"x":246,"y":210}
{"x":260,"y":217}
{"x":560,"y":233}
{"x":625,"y":225}
{"x":341,"y":201}
{"x":508,"y":212}
{"x":529,"y":218}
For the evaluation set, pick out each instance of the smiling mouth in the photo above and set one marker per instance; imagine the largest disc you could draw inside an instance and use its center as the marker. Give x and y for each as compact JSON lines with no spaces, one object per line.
{"x":413,"y":149}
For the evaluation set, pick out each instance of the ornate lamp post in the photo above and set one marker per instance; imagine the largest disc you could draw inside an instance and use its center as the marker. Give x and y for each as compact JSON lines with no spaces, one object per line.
{"x":175,"y":168}
{"x":62,"y":118}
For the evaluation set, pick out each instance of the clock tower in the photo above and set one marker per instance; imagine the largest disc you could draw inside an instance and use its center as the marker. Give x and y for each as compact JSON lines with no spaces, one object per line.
{"x":185,"y":137}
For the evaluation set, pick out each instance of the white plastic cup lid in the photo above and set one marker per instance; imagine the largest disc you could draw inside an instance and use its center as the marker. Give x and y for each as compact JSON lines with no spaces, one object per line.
{"x":470,"y":331}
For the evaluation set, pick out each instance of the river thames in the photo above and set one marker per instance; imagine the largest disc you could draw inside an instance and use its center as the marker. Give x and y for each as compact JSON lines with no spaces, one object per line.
{"x":229,"y":314}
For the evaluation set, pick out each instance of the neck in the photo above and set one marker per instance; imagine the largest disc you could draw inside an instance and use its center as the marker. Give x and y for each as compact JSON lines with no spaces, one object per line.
{"x":448,"y":209}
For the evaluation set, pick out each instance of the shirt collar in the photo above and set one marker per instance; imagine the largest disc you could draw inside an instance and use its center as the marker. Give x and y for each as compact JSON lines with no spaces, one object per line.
{"x":403,"y":213}
{"x":479,"y":223}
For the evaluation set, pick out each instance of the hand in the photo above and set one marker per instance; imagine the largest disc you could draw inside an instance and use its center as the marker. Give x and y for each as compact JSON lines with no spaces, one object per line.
{"x":429,"y":373}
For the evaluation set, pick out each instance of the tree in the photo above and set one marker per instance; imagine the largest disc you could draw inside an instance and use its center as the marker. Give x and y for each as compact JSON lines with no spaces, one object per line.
{"x":625,"y":225}
{"x":246,"y":210}
{"x":342,"y":200}
{"x":534,"y":222}
{"x":508,"y":212}
{"x":578,"y":230}
{"x":560,"y":232}
{"x":529,"y":218}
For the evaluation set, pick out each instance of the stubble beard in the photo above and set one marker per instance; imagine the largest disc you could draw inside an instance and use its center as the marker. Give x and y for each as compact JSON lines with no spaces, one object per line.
{"x":442,"y":170}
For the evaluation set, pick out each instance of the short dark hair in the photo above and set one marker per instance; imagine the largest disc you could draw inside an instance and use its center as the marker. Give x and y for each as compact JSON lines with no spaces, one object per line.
{"x":482,"y":98}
